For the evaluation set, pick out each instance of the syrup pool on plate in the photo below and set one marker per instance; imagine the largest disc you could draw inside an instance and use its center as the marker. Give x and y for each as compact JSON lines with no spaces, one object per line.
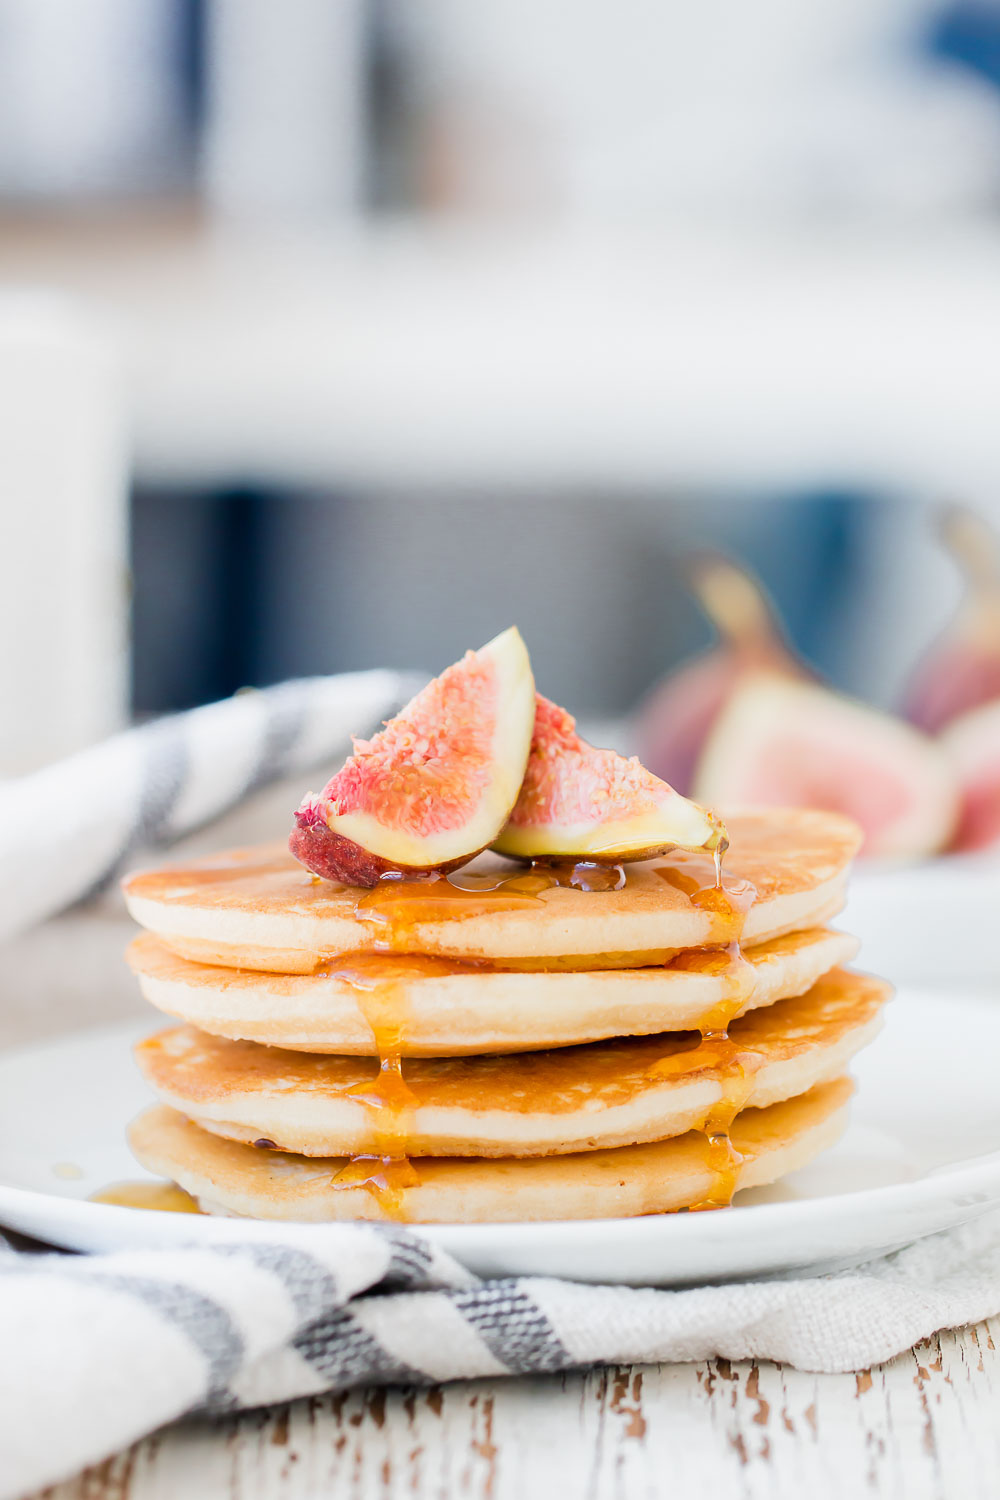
{"x":164,"y":1197}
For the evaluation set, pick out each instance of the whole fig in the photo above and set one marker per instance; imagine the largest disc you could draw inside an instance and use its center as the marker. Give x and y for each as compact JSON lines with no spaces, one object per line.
{"x":961,"y":671}
{"x":678,"y":715}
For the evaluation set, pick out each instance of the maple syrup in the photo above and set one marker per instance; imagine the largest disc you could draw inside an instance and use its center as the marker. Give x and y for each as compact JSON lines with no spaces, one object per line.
{"x":582,"y":874}
{"x":699,"y":876}
{"x":386,"y":1171}
{"x":737,"y":975}
{"x":721,"y":1156}
{"x":398,"y":906}
{"x":164,"y":1197}
{"x":729,"y":903}
{"x":385,"y":1177}
{"x":369,"y":971}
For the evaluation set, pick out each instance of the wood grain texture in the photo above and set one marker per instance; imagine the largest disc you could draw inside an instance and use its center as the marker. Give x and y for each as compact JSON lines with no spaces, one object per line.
{"x":922,"y":1427}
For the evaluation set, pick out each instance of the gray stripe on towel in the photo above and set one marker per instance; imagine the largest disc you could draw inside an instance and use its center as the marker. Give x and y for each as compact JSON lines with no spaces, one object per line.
{"x":165,"y":764}
{"x":287,"y":712}
{"x":513,"y":1327}
{"x":345,"y":1354}
{"x":208,"y":1326}
{"x":309,"y":1284}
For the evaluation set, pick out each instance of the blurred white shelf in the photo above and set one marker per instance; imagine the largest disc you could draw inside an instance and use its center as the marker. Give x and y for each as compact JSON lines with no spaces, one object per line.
{"x":434,"y":355}
{"x":63,"y":503}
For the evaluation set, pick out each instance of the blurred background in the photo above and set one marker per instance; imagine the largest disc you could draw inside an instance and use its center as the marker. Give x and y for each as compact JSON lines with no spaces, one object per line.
{"x":347,"y":332}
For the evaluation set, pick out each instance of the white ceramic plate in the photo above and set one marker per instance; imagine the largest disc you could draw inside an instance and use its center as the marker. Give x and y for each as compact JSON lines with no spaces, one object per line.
{"x":922,"y":1154}
{"x":930,"y":923}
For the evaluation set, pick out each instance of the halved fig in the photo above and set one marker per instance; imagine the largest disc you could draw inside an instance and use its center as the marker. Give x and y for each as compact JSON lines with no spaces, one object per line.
{"x":435,"y":786}
{"x":961,"y":670}
{"x":677,"y":716}
{"x":973,"y":743}
{"x":785,"y":742}
{"x":581,"y":803}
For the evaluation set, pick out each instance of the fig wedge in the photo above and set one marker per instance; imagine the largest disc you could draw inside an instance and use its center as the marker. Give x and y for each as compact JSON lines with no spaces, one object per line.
{"x":581,"y":803}
{"x":789,"y":743}
{"x":435,"y":786}
{"x":677,"y":716}
{"x":973,"y":743}
{"x":961,"y":671}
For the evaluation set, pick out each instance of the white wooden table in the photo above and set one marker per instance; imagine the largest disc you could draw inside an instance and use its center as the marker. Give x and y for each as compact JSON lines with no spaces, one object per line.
{"x":925,"y":1425}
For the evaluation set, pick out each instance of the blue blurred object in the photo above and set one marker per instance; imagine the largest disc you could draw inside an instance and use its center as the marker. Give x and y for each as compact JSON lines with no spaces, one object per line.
{"x":250,"y":586}
{"x":969,"y":33}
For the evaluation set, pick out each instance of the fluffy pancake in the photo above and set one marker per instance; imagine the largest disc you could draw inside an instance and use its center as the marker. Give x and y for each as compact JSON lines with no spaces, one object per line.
{"x":440,"y":1007}
{"x":230,"y":1178}
{"x":611,"y":1093}
{"x":260,"y":909}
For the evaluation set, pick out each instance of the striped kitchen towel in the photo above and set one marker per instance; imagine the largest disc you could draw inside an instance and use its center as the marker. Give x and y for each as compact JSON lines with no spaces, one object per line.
{"x":96,"y":1351}
{"x":67,"y":829}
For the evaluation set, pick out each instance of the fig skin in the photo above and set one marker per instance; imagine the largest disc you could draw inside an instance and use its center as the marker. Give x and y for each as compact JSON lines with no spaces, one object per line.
{"x":959,"y":679}
{"x":340,"y":859}
{"x":973,"y":743}
{"x":678,"y":715}
{"x":961,"y":670}
{"x":781,"y":742}
{"x":609,"y":859}
{"x":435,"y":786}
{"x":332,"y":856}
{"x":580,"y":803}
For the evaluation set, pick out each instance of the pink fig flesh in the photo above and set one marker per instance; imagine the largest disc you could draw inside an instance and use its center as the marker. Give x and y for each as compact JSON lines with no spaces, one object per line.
{"x":329,"y":854}
{"x":973,"y":743}
{"x":582,"y":803}
{"x":961,"y":671}
{"x":784,"y":742}
{"x":436,"y":785}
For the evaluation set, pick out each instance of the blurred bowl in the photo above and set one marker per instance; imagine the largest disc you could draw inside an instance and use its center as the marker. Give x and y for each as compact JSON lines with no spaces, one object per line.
{"x":935,"y":923}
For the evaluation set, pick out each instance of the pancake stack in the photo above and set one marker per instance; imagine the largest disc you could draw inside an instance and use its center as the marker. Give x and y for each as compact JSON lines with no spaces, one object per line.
{"x":505,"y":1043}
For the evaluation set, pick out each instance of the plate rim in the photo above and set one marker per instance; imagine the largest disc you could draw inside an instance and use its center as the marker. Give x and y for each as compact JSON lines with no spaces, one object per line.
{"x":951,"y":1180}
{"x":973,"y":1178}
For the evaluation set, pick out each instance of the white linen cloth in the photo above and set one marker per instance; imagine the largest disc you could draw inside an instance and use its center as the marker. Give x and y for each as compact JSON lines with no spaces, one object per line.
{"x":67,"y":830}
{"x":95,"y":1351}
{"x":98,"y":1350}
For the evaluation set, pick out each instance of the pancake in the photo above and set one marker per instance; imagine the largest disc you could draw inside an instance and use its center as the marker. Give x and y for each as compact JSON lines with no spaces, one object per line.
{"x":443,"y":1008}
{"x":612,"y":1093}
{"x":260,"y":909}
{"x":230,"y":1178}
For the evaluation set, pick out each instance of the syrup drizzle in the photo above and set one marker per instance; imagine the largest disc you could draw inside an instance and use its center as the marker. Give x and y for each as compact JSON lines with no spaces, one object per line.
{"x":729,"y":904}
{"x":397,"y":906}
{"x":386,"y":1171}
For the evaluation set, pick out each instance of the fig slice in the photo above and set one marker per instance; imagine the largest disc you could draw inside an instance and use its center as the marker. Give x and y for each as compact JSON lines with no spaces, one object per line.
{"x":578,"y":802}
{"x":961,"y":670}
{"x":435,"y":786}
{"x":677,"y":715}
{"x":784,"y":742}
{"x":973,"y":743}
